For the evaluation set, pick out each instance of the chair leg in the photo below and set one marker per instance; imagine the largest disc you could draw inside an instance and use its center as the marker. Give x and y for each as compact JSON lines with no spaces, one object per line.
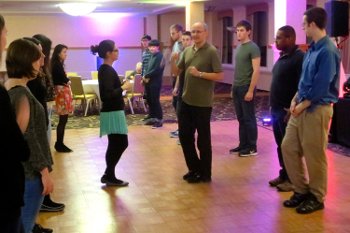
{"x":143,"y":104}
{"x":87,"y":106}
{"x":130,"y":106}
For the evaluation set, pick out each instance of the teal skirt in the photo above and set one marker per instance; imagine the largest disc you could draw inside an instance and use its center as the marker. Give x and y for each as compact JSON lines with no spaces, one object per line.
{"x":113,"y":123}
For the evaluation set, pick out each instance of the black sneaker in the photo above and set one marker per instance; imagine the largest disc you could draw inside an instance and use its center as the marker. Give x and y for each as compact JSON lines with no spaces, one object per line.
{"x":113,"y":182}
{"x":150,"y":121}
{"x":248,"y":152}
{"x":174,"y":134}
{"x":158,"y":124}
{"x":40,"y":229}
{"x":60,"y":147}
{"x":235,"y":150}
{"x":50,"y":206}
{"x":146,"y":118}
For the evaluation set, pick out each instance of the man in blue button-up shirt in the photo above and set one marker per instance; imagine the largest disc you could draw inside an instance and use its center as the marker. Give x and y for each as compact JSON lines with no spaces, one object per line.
{"x":307,"y":130}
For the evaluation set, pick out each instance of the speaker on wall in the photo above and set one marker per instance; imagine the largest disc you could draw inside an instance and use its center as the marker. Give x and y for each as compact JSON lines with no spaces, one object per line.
{"x":338,"y":18}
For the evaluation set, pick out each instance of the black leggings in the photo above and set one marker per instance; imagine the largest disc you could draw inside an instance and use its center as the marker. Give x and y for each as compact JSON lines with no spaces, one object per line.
{"x":60,"y":128}
{"x":117,"y":143}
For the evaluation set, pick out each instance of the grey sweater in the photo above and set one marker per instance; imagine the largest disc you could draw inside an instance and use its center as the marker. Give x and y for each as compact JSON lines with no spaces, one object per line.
{"x":35,"y":134}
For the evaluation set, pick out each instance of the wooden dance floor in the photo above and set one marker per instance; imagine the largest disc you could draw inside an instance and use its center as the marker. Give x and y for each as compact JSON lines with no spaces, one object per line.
{"x":157,"y":200}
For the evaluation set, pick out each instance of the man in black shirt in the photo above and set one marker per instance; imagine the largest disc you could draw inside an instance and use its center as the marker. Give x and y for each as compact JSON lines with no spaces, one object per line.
{"x":285,"y":78}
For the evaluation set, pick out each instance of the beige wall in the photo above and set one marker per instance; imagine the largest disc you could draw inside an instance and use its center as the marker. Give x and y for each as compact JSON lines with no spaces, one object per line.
{"x":77,"y":31}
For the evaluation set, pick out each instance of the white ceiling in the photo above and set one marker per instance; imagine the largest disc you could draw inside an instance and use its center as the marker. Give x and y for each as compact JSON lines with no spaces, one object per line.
{"x":125,"y":6}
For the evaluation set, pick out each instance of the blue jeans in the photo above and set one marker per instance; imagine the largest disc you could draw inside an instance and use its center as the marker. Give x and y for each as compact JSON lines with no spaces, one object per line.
{"x":33,"y":199}
{"x":279,"y":130}
{"x":245,"y":111}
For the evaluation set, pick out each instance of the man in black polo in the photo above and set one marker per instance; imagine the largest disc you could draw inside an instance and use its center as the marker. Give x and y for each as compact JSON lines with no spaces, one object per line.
{"x":285,"y":78}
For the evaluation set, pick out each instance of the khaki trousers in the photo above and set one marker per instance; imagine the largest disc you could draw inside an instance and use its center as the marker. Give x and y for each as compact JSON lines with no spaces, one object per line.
{"x":304,"y":151}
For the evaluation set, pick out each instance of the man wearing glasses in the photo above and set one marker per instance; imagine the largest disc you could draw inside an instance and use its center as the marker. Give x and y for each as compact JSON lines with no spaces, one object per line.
{"x":307,"y":130}
{"x":202,"y":68}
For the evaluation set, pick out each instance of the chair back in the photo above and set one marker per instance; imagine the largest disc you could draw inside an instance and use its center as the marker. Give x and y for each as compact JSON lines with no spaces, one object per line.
{"x":71,"y":74}
{"x":128,"y":73}
{"x":76,"y":86}
{"x":138,"y":87}
{"x":94,"y":75}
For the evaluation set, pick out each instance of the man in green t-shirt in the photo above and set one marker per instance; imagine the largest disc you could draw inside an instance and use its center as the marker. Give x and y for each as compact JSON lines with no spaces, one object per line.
{"x":243,"y":90}
{"x":202,"y":68}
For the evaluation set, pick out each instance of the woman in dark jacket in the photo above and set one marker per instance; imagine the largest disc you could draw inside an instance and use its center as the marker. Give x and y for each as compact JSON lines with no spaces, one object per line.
{"x":11,"y":168}
{"x":112,"y":116}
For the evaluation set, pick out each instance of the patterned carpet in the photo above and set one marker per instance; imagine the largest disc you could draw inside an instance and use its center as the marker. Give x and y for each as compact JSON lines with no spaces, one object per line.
{"x":223,"y":110}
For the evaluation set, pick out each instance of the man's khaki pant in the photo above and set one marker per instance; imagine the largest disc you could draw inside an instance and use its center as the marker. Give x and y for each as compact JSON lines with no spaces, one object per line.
{"x":304,"y":150}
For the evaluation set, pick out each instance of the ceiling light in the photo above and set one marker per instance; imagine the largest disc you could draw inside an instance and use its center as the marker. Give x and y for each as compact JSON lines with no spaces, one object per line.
{"x":77,"y":9}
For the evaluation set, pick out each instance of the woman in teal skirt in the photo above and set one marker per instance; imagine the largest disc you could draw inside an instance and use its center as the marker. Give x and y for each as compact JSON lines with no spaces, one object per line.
{"x":112,"y":116}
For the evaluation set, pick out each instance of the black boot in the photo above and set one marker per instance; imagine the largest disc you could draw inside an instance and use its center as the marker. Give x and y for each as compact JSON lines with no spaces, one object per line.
{"x":50,"y":206}
{"x":60,"y":147}
{"x":40,"y":229}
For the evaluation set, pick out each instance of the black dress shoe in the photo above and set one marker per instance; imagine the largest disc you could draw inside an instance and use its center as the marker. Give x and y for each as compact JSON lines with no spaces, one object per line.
{"x":310,"y":205}
{"x":40,"y":229}
{"x":295,"y":200}
{"x":188,"y":175}
{"x":195,"y":178}
{"x":206,"y":179}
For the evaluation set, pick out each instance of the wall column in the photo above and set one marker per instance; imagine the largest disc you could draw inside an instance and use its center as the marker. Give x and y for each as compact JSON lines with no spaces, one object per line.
{"x":194,"y":13}
{"x":151,"y":26}
{"x":289,"y":12}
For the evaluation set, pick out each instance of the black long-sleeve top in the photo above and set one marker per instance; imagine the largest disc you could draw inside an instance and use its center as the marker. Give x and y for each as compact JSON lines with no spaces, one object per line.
{"x":59,"y":76}
{"x":38,"y":89}
{"x":285,"y":78}
{"x":14,"y":150}
{"x":110,"y":89}
{"x":155,"y":69}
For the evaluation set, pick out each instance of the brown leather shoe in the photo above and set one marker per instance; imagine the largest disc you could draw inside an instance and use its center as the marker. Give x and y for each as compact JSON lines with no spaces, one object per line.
{"x":276,"y":181}
{"x":285,"y":187}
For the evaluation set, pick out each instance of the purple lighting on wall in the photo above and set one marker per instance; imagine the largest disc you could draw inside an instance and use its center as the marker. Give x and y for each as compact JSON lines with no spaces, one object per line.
{"x":106,"y":24}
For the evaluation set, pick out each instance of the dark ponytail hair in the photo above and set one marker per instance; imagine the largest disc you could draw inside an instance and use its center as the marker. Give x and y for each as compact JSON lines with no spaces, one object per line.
{"x":102,"y":48}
